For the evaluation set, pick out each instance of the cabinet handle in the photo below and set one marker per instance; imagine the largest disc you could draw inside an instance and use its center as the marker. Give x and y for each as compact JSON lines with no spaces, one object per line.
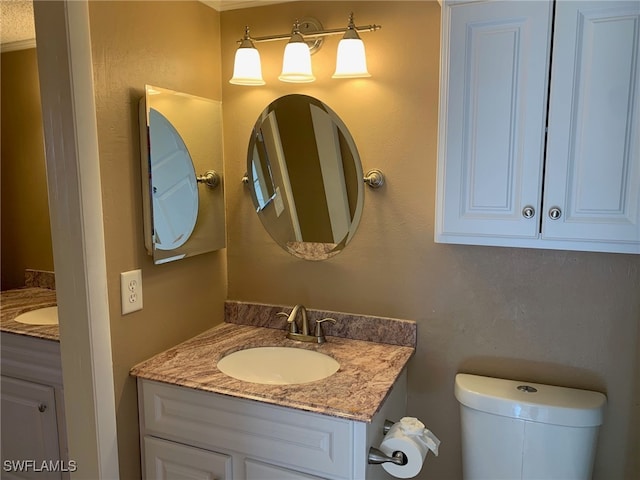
{"x":42,"y":407}
{"x":555,"y":213}
{"x":528,"y":211}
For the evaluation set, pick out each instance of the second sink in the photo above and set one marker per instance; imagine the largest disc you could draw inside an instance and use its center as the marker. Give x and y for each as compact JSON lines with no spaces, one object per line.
{"x":278,"y":365}
{"x":41,"y":316}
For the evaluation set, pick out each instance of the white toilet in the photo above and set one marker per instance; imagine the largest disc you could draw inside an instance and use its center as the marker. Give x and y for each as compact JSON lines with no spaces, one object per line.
{"x":520,"y":430}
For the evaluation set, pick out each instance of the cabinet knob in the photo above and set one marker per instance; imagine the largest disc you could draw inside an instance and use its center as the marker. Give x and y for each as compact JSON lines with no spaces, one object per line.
{"x":528,"y":211}
{"x":555,"y":213}
{"x":42,"y":407}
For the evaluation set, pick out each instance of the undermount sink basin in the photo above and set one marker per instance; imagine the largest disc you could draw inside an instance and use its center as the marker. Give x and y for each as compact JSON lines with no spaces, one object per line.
{"x":278,"y":365}
{"x":41,"y":316}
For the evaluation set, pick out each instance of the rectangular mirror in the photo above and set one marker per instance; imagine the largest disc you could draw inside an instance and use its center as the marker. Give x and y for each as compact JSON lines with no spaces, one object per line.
{"x":182,"y":187}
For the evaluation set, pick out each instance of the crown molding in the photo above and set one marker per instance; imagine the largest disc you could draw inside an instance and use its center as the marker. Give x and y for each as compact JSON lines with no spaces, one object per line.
{"x":222,"y":5}
{"x":19,"y":45}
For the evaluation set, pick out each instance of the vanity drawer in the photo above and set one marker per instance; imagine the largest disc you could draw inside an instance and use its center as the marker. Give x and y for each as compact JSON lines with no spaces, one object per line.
{"x":309,"y":442}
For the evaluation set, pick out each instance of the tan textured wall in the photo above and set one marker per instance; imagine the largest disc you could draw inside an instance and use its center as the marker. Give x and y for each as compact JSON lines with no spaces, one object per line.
{"x":556,"y":317}
{"x":175,"y":45}
{"x":26,"y":235}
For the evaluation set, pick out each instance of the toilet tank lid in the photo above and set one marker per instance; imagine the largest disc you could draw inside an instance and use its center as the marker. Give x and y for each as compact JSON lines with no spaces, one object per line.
{"x":531,"y":401}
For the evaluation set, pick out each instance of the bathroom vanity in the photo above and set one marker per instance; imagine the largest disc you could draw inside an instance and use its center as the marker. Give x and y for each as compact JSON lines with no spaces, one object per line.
{"x":33,"y":424}
{"x":204,"y":435}
{"x":196,"y":421}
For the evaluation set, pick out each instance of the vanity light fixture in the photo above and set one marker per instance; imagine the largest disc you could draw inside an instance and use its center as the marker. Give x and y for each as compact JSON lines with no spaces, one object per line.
{"x":305,"y":39}
{"x":296,"y":63}
{"x":351,"y":61}
{"x":247,"y":69}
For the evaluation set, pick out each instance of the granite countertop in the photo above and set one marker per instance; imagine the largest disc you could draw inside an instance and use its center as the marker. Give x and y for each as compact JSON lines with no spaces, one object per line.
{"x":21,"y":300}
{"x":356,"y":391}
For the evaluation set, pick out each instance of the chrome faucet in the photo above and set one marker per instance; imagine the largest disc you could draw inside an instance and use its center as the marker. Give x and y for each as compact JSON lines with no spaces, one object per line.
{"x":294,"y":332}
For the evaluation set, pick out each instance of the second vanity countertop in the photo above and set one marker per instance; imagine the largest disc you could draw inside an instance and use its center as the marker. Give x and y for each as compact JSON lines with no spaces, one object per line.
{"x":356,"y":391}
{"x":22,"y":300}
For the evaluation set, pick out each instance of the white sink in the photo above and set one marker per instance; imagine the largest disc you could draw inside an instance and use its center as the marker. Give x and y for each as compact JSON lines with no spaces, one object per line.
{"x":41,"y":316}
{"x":278,"y":365}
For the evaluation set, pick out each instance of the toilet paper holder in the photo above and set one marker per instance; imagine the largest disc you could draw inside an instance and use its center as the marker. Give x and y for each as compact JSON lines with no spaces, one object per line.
{"x":376,"y":456}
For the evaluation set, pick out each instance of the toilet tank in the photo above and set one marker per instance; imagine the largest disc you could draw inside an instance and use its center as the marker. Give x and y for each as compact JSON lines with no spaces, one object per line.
{"x":521,"y":430}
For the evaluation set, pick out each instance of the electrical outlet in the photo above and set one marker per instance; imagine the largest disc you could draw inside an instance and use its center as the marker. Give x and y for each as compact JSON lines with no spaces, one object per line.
{"x":131,"y":291}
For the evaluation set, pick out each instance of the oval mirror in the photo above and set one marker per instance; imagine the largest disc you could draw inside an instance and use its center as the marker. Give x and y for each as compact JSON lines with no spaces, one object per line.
{"x":305,"y":177}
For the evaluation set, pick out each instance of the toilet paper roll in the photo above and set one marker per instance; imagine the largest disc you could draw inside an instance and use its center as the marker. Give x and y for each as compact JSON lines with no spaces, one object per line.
{"x":415,"y":451}
{"x":410,"y":437}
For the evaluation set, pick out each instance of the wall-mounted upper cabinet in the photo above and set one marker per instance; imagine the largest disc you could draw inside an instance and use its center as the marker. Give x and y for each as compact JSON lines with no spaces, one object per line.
{"x":539,"y":141}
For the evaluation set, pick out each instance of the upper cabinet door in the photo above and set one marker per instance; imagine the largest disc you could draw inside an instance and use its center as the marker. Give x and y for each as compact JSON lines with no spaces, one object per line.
{"x":494,"y":83}
{"x":592,"y":175}
{"x":497,"y":72}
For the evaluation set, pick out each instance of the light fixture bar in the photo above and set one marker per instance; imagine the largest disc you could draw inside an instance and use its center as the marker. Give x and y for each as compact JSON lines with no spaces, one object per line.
{"x":306,"y":37}
{"x":319,"y":33}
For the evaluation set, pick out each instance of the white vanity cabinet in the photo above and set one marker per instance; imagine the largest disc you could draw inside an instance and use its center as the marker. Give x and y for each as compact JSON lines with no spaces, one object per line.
{"x":187,"y":433}
{"x":539,"y":128}
{"x":33,"y":425}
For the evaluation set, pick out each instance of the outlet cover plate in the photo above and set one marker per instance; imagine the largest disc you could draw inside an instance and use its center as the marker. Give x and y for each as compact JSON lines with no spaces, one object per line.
{"x":131,"y":291}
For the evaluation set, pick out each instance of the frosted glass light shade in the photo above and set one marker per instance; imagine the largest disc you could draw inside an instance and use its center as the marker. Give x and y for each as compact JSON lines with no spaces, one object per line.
{"x":296,"y":63}
{"x":247,"y":69}
{"x":351,"y":61}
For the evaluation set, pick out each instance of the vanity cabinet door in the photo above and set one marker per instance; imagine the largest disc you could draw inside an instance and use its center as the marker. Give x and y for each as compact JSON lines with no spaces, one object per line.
{"x":593,"y":153}
{"x":29,"y":428}
{"x":493,"y":91}
{"x":262,"y":471}
{"x":166,"y":460}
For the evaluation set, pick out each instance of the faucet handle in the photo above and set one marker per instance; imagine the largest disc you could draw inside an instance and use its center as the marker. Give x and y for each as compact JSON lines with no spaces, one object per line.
{"x":293,"y":326}
{"x":319,"y":333}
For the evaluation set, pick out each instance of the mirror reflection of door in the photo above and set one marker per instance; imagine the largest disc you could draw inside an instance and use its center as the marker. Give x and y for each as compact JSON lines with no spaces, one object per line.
{"x":332,"y":161}
{"x":261,"y":173}
{"x":173,"y":185}
{"x":306,"y":177}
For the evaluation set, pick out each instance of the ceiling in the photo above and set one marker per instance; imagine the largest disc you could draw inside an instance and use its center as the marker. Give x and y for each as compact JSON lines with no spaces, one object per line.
{"x":16,"y":19}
